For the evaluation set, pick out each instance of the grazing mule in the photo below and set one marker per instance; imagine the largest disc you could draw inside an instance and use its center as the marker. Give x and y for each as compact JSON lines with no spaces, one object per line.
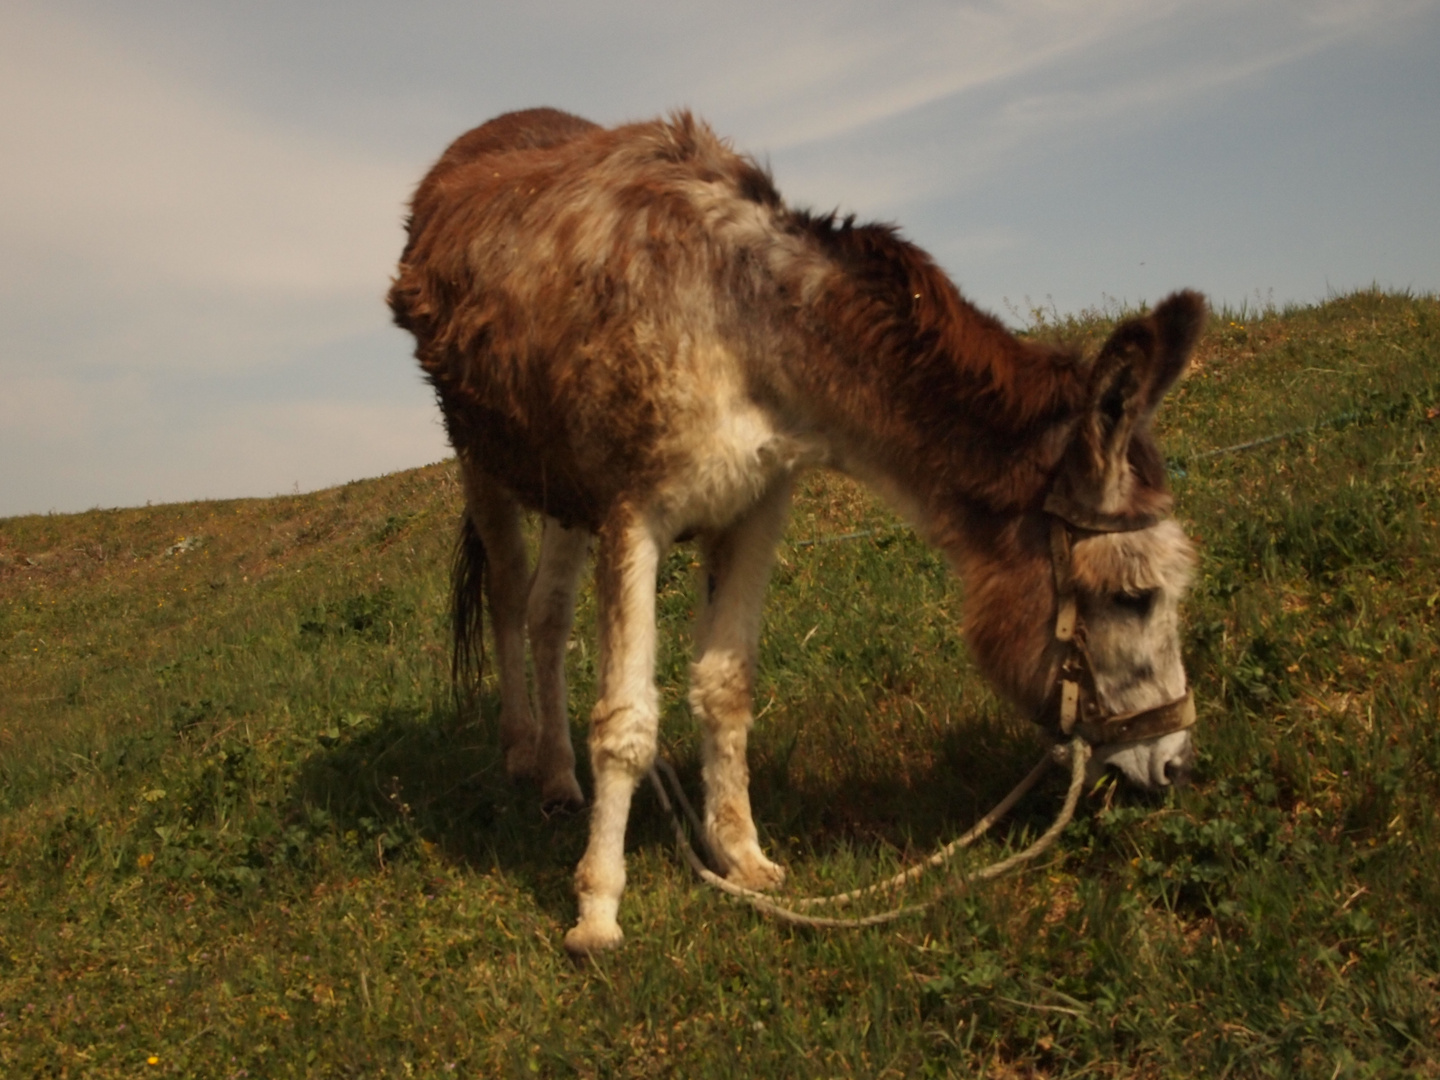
{"x":630,"y":332}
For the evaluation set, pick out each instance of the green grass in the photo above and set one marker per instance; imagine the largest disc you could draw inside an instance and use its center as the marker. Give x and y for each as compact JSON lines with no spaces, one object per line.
{"x":244,"y":832}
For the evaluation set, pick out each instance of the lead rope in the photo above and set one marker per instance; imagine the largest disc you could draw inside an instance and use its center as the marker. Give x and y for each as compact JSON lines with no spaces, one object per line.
{"x":1079,"y":753}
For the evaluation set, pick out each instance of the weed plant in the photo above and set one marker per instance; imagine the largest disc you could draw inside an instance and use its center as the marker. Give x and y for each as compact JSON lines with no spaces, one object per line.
{"x":246,"y":831}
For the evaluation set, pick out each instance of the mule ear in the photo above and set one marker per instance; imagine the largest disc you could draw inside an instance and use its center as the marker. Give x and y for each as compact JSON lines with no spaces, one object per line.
{"x":1142,"y":360}
{"x":1178,"y":320}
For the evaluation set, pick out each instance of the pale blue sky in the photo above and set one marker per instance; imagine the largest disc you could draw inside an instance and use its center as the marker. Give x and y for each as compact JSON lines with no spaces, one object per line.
{"x":201,"y":202}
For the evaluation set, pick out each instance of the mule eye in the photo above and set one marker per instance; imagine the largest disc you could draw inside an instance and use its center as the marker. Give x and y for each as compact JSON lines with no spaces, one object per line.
{"x":1138,"y":603}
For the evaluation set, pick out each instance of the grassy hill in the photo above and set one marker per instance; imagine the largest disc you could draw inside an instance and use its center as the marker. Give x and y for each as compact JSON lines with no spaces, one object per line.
{"x":245,"y":832}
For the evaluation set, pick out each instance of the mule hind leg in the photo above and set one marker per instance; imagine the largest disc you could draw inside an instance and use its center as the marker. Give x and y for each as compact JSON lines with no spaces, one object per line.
{"x":496,"y":517}
{"x":624,"y":723}
{"x":550,"y":615}
{"x":737,"y":564}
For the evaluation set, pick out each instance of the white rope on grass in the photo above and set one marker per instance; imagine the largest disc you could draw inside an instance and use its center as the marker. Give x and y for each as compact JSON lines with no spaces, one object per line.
{"x":1079,"y":754}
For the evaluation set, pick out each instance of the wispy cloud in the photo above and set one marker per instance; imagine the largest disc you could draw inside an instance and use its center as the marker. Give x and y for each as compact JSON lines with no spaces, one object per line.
{"x":189,"y":233}
{"x":161,"y":250}
{"x":880,"y":64}
{"x":995,"y":88}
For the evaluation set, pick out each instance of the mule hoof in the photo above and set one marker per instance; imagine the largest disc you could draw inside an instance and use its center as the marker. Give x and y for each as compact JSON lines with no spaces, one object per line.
{"x":758,"y":873}
{"x":587,"y":938}
{"x":520,"y":762}
{"x":562,"y":794}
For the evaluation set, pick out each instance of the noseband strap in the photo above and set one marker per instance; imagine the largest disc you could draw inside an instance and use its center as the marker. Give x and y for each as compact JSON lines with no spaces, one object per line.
{"x":1079,"y":709}
{"x":1145,"y":724}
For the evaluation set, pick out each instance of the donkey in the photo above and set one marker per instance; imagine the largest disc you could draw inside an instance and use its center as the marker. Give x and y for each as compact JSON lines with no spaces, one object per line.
{"x":631,"y":333}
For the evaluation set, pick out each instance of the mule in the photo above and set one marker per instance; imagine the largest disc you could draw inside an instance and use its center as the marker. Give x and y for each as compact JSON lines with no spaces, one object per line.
{"x":630,"y":332}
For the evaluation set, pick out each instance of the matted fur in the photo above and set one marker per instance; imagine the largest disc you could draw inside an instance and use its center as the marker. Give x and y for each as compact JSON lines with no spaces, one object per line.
{"x":630,"y":332}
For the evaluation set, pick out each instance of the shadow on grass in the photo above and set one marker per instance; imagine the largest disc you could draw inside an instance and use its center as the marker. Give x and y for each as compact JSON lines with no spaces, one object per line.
{"x":412,"y":776}
{"x":909,"y":798}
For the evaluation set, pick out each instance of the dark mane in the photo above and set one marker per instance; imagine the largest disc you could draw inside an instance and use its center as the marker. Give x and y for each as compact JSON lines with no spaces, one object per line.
{"x":929,"y":359}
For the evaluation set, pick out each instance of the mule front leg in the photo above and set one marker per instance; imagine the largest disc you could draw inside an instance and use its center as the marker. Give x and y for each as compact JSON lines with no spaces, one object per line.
{"x":623,"y":726}
{"x":496,"y":517}
{"x":550,"y":615}
{"x":738,"y":564}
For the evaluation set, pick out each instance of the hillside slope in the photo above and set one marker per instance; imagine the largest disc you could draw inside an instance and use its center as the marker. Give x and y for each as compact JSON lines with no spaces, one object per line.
{"x":244,"y":829}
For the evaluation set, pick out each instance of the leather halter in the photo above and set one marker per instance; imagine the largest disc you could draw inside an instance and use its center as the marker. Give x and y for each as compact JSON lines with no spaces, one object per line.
{"x":1080,"y":711}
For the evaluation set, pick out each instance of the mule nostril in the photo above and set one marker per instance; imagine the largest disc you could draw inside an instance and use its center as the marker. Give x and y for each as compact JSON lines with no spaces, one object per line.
{"x":1177,"y":772}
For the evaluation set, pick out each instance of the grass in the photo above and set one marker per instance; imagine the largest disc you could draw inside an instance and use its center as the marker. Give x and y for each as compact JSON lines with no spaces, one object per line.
{"x":244,"y":832}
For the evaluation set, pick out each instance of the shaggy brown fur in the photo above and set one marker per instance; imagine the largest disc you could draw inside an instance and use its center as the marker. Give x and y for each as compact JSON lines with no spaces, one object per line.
{"x":630,"y":332}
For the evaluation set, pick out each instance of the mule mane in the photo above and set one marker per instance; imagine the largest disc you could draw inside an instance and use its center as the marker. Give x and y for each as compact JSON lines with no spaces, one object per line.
{"x":978,"y":412}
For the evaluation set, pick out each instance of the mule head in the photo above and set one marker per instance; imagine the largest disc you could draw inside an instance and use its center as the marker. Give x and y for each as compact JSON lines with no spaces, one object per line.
{"x":1130,"y":563}
{"x":1087,"y":590}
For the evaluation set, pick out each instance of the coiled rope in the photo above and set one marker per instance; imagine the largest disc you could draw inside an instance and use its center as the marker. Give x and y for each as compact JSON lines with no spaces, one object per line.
{"x":1078,"y":751}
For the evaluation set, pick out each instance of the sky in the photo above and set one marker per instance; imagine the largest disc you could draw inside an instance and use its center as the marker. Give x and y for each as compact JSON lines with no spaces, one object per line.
{"x":202,"y":203}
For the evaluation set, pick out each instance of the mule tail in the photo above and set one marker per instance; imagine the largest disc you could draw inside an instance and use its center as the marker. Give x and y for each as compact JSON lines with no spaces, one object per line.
{"x":467,"y":577}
